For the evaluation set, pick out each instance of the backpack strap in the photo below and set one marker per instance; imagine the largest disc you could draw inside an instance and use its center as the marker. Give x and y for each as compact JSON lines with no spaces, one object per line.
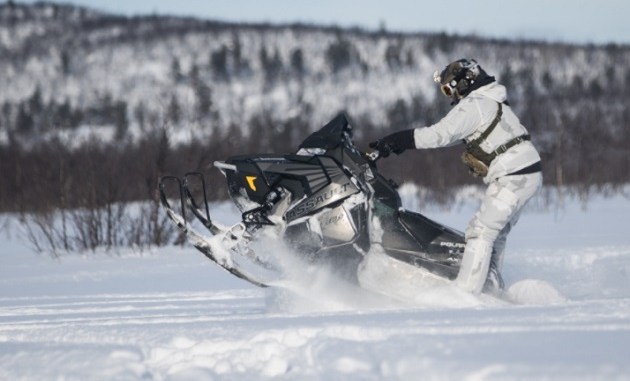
{"x":484,"y":135}
{"x":517,"y":140}
{"x":475,"y":152}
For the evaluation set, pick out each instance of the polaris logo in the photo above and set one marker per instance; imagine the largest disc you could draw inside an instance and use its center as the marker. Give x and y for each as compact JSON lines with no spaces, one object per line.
{"x":326,"y":196}
{"x":452,"y":244}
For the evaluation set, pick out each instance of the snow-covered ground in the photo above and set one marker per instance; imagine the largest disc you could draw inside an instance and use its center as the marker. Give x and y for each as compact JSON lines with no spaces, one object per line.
{"x":170,"y":314}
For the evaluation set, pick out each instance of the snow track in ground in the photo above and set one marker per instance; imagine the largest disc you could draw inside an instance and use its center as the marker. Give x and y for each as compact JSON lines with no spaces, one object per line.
{"x":230,"y":335}
{"x":172,"y":315}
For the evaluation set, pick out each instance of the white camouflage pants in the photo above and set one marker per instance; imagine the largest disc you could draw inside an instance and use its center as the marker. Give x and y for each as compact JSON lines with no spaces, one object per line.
{"x":487,"y":231}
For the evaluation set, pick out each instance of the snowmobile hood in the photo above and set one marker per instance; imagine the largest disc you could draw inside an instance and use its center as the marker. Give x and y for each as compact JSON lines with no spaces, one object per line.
{"x":493,"y":91}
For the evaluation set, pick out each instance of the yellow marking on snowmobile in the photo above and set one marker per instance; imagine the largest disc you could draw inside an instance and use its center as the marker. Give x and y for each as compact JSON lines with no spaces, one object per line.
{"x":250,"y":182}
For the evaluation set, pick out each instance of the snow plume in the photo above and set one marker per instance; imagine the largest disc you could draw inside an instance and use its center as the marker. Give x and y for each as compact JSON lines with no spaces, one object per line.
{"x":412,"y":286}
{"x":315,"y":287}
{"x":383,"y":283}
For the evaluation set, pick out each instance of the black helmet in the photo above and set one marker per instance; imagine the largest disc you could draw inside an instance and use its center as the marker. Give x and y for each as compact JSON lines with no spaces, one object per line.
{"x":459,"y":78}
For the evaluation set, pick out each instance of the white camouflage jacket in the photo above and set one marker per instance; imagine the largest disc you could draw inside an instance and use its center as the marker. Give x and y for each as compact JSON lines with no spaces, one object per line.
{"x":469,"y":118}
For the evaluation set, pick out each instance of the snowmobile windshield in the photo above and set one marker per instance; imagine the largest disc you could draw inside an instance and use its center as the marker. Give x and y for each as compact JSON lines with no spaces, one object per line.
{"x":331,"y":135}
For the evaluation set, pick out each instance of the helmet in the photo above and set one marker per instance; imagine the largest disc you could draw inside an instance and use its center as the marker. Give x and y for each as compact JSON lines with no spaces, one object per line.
{"x":458,"y":78}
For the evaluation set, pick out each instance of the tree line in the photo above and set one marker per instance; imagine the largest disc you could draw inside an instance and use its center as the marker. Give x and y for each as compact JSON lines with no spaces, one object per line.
{"x":578,"y":119}
{"x":589,"y":146}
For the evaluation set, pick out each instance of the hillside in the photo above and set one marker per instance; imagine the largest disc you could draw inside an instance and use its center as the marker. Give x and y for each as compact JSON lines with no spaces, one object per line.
{"x":73,"y":76}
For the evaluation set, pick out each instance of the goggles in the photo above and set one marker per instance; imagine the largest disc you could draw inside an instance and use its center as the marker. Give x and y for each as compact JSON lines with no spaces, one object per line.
{"x":446,"y":88}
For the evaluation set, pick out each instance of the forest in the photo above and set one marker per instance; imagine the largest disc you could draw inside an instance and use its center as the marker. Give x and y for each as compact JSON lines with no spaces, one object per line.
{"x":95,"y":108}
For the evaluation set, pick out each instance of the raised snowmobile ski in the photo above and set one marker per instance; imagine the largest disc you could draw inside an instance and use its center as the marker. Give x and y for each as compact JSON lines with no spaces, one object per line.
{"x":327,"y":202}
{"x":216,"y":248}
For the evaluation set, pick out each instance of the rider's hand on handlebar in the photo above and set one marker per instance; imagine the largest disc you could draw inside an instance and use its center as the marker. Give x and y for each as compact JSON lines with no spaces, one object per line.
{"x":398,"y":142}
{"x":384,"y":150}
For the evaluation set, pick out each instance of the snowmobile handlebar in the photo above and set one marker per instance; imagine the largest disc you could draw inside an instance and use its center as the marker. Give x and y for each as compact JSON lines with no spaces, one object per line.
{"x":373,"y":156}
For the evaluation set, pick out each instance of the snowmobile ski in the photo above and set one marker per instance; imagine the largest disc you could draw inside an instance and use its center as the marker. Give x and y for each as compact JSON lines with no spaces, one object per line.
{"x":199,"y":241}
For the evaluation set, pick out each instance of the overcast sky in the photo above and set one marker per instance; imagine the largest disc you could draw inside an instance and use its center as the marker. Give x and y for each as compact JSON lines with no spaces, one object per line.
{"x":592,"y":21}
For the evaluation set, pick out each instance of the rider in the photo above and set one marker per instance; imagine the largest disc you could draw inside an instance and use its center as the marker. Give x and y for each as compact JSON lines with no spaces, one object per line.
{"x":498,"y":149}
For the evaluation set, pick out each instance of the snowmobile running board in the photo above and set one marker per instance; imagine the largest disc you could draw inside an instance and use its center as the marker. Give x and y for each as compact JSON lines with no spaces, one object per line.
{"x":196,"y":239}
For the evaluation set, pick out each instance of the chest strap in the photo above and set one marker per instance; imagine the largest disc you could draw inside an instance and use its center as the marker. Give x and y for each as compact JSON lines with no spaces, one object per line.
{"x":484,"y":135}
{"x":473,"y":147}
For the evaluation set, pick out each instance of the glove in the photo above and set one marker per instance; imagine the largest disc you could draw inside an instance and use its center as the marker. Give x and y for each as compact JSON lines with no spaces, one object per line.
{"x":398,"y":142}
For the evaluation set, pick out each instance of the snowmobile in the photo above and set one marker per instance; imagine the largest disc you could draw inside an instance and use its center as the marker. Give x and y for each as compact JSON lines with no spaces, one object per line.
{"x":327,"y":202}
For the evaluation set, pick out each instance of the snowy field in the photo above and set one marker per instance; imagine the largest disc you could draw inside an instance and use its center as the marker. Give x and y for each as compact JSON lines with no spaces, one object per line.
{"x":170,"y":314}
